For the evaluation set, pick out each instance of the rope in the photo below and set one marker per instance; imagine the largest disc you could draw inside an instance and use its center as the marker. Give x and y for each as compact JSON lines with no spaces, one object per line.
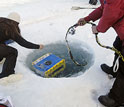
{"x":107,"y":47}
{"x":116,"y":65}
{"x":71,"y":31}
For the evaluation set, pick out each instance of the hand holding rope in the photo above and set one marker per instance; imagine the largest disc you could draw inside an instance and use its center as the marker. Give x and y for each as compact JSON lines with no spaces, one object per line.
{"x":107,"y":47}
{"x":71,"y":31}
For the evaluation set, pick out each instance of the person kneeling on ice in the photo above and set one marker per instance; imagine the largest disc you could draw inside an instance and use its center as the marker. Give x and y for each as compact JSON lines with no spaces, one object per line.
{"x":111,"y":14}
{"x":9,"y":29}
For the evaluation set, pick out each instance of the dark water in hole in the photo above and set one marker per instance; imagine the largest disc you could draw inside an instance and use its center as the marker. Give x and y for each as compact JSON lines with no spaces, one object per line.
{"x":80,"y":53}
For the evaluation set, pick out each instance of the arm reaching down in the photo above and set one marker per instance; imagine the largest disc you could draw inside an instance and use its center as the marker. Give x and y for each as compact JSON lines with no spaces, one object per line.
{"x":21,"y":41}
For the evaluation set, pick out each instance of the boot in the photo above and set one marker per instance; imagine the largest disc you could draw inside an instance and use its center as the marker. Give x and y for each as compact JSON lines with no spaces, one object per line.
{"x":108,"y":70}
{"x":107,"y":101}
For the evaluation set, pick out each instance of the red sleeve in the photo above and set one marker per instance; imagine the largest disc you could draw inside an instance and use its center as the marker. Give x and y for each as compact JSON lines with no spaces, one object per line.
{"x":95,"y":15}
{"x":111,"y":14}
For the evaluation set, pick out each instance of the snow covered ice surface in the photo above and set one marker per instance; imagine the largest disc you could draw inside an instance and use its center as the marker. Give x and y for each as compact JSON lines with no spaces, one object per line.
{"x":46,"y":21}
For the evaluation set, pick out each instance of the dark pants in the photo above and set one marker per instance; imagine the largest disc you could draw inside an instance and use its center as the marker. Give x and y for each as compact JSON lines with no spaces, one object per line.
{"x":117,"y":90}
{"x":10,"y":54}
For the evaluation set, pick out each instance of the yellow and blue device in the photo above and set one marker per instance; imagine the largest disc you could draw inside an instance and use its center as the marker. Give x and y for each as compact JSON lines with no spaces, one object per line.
{"x":49,"y":65}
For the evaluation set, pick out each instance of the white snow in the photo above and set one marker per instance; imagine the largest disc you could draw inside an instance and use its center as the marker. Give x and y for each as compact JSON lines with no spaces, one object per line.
{"x":45,"y":22}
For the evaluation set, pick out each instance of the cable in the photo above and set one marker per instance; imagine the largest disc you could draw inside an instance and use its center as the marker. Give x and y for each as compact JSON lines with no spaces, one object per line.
{"x":107,"y":47}
{"x":71,"y":31}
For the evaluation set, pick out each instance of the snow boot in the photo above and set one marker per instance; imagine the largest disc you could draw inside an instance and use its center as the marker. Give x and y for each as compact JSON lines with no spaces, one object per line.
{"x":107,"y":101}
{"x":108,"y":70}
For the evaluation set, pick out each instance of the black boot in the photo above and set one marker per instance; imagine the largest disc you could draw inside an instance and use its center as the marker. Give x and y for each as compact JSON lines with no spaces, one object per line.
{"x":108,"y":70}
{"x":107,"y":101}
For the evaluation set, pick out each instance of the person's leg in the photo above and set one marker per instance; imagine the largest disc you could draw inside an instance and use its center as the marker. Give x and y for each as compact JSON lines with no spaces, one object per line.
{"x":117,"y":91}
{"x":107,"y":69}
{"x":116,"y":94}
{"x":115,"y":97}
{"x":10,"y":54}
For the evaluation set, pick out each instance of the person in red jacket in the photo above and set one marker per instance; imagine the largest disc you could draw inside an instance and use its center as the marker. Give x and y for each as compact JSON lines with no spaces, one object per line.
{"x":111,"y":14}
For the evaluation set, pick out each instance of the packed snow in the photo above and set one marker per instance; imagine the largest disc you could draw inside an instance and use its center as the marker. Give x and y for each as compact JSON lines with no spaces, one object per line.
{"x":45,"y":22}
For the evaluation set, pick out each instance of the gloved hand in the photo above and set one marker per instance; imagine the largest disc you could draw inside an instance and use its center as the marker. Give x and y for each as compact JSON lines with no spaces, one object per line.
{"x":81,"y":22}
{"x":41,"y":46}
{"x":94,"y":30}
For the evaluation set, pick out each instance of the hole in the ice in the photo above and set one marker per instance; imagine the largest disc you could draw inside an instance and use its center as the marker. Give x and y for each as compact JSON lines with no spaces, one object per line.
{"x":81,"y":53}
